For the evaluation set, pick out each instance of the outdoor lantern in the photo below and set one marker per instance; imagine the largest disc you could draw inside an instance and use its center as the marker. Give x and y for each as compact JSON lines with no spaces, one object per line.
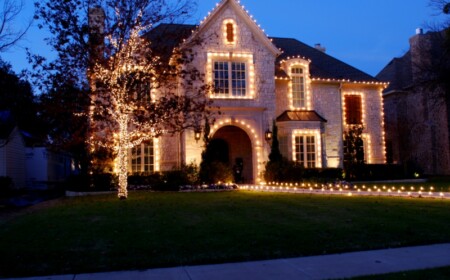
{"x":197,"y":134}
{"x":268,"y":135}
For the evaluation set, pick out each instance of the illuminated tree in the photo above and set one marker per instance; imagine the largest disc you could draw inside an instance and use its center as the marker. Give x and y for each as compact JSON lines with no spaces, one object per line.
{"x":133,"y":101}
{"x":134,"y":95}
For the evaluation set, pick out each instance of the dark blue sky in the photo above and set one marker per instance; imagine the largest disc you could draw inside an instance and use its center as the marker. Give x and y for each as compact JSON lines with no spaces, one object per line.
{"x":366,"y":34}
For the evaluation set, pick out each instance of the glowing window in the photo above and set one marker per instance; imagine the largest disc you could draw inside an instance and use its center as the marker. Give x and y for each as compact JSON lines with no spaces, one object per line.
{"x":143,"y":158}
{"x":353,"y":109}
{"x":230,"y":78}
{"x":229,"y":32}
{"x":298,"y":87}
{"x":305,"y":150}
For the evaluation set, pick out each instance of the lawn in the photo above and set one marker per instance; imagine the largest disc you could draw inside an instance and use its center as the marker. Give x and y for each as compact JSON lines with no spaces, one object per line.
{"x":88,"y":234}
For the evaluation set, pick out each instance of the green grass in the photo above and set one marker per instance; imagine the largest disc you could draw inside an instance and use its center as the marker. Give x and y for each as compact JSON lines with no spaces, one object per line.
{"x":91,"y":234}
{"x":429,"y":274}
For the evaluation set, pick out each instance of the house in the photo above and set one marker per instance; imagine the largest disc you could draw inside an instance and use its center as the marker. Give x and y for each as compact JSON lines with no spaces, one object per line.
{"x":417,"y":117}
{"x":312,"y":96}
{"x":12,"y":150}
{"x":28,"y":163}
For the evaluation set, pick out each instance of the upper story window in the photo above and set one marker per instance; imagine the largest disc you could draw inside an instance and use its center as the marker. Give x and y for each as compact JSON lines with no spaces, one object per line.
{"x":229,"y":32}
{"x":299,"y":91}
{"x":232,"y":75}
{"x":298,"y":87}
{"x":353,"y":109}
{"x":230,"y":78}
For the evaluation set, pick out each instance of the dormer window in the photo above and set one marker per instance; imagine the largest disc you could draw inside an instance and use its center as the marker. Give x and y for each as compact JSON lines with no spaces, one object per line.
{"x":300,"y":84}
{"x":229,"y":32}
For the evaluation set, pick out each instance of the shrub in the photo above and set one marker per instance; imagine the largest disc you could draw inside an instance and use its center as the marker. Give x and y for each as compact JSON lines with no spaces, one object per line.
{"x":372,"y":172}
{"x":291,"y":171}
{"x":95,"y":182}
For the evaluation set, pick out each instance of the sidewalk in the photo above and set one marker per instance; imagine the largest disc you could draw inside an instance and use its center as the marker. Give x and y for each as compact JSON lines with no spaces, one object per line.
{"x":316,"y":267}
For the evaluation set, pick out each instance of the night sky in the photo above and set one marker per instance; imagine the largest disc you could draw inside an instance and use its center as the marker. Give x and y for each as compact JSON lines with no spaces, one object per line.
{"x":366,"y":34}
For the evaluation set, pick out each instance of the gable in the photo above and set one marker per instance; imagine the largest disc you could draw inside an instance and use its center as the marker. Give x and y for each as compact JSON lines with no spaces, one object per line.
{"x":230,"y":11}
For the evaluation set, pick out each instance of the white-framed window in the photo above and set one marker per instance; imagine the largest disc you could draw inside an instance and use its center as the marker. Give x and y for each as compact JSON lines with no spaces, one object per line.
{"x":298,"y":87}
{"x":232,"y":75}
{"x":307,"y":147}
{"x":230,"y":78}
{"x":305,"y":150}
{"x":142,"y":158}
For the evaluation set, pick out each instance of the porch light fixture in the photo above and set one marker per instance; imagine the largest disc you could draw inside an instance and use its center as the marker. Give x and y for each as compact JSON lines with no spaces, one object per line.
{"x":197,"y":135}
{"x":268,"y":135}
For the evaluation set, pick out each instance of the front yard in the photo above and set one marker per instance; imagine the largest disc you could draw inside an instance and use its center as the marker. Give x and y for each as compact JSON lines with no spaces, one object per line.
{"x":88,"y":234}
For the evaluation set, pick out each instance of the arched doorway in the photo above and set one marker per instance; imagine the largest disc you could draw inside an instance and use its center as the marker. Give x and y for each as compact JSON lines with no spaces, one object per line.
{"x":239,"y":149}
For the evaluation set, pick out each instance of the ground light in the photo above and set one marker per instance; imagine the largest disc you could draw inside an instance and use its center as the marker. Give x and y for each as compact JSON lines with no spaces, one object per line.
{"x":346,"y":190}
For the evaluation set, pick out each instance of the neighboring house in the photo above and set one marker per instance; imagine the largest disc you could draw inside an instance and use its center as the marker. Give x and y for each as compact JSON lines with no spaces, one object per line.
{"x":312,"y":96}
{"x":29,"y":164}
{"x":12,"y":151}
{"x":45,"y":167}
{"x":416,"y":114}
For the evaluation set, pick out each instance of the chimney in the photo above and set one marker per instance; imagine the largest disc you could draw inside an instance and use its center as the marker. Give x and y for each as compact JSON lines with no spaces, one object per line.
{"x":319,"y":47}
{"x":419,"y":31}
{"x":96,"y":18}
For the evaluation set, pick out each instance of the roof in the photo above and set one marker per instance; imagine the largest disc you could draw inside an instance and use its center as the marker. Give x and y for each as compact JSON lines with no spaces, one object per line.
{"x":398,"y":73}
{"x":7,"y":124}
{"x":303,"y":116}
{"x":322,"y":65}
{"x":166,"y":37}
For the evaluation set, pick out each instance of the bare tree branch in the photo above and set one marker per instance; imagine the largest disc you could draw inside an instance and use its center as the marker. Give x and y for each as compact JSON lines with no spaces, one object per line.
{"x":10,"y":35}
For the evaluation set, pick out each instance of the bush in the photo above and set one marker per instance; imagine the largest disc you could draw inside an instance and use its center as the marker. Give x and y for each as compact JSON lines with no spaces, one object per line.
{"x":95,"y":182}
{"x":167,"y":180}
{"x":291,"y":171}
{"x":372,"y":172}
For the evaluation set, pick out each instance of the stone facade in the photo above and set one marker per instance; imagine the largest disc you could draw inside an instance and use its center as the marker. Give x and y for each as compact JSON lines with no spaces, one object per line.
{"x":268,"y":96}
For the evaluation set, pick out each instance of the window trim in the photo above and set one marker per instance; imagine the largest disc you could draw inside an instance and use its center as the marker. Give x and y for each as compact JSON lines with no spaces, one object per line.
{"x":225,"y":32}
{"x":304,"y":64}
{"x":155,"y":155}
{"x":317,"y":145}
{"x":344,"y":108}
{"x":230,"y":58}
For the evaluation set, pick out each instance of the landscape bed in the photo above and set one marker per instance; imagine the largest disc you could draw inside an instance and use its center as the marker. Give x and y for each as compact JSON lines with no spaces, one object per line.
{"x":152,"y":229}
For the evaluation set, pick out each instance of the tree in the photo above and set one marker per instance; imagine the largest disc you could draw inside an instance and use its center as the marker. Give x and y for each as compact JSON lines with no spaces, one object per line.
{"x":353,"y":150}
{"x":9,"y":33}
{"x":134,"y":95}
{"x":17,"y":97}
{"x":276,"y":164}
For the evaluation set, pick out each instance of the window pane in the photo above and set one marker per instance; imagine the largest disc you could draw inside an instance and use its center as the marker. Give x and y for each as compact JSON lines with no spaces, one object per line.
{"x":238,"y":76}
{"x":221,"y":81}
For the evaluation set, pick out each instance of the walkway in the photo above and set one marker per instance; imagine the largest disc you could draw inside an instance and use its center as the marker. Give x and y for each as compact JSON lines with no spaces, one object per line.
{"x":317,"y":267}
